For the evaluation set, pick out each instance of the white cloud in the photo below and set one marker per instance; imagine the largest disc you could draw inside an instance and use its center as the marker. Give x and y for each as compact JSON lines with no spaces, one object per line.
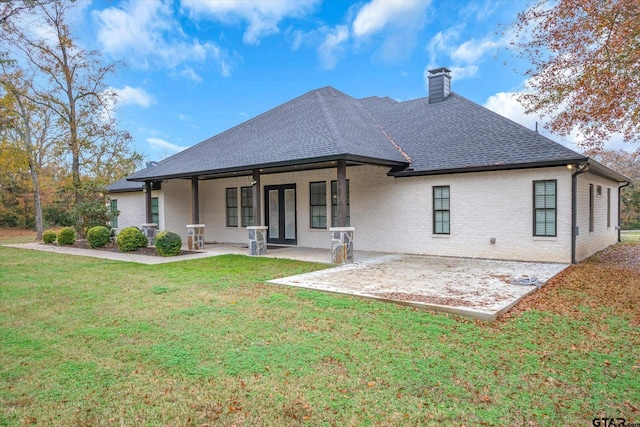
{"x":378,"y":14}
{"x":189,"y":73}
{"x":466,"y":72}
{"x":263,"y":17}
{"x":398,"y":22}
{"x":114,"y":97}
{"x":146,"y":33}
{"x":442,"y":41}
{"x":134,"y":96}
{"x":164,"y":145}
{"x":332,"y":47}
{"x":472,"y":50}
{"x":506,"y":104}
{"x":463,"y":58}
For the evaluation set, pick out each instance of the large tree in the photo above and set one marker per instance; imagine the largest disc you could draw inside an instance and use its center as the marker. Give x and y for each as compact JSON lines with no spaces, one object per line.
{"x":68,"y":84}
{"x":585,"y":66}
{"x":28,"y":132}
{"x":71,"y":82}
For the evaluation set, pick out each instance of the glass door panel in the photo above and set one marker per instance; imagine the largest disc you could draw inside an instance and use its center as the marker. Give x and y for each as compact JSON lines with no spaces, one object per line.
{"x":289,"y":214}
{"x":274,"y":215}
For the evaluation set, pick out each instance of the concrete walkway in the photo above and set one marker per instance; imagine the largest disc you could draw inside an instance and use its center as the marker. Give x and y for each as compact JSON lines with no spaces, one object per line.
{"x":476,"y":288}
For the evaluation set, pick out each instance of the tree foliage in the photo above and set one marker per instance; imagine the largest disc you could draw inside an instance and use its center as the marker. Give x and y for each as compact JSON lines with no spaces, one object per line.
{"x":58,"y":110}
{"x":585,"y":66}
{"x":8,"y":9}
{"x":71,"y":83}
{"x":28,"y":130}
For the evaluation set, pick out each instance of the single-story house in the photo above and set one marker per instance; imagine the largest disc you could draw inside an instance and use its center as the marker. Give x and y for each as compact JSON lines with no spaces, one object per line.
{"x":439,"y":175}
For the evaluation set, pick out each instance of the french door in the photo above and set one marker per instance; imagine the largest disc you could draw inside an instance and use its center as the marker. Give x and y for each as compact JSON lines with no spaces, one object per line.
{"x":280,"y":213}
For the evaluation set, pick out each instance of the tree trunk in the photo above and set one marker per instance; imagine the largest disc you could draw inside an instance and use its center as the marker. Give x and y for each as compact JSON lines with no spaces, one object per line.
{"x":37,"y":199}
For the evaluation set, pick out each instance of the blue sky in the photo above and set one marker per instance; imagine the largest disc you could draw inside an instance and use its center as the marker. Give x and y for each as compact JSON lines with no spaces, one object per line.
{"x":196,"y":68}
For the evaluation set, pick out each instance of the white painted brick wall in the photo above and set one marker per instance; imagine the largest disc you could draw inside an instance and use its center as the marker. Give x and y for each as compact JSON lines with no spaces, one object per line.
{"x":395,"y":214}
{"x":590,"y":242}
{"x":132,"y":208}
{"x":175,"y":207}
{"x":483,"y":205}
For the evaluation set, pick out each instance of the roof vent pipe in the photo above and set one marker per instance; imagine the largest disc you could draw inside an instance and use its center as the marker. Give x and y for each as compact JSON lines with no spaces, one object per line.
{"x":439,"y":84}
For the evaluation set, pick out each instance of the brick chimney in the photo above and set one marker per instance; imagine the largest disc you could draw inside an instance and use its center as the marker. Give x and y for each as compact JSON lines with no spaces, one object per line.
{"x":439,"y":84}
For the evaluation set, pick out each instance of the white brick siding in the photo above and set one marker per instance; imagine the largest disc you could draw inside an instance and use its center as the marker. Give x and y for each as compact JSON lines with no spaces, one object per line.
{"x":590,"y":242}
{"x":132,"y":208}
{"x":395,"y":214}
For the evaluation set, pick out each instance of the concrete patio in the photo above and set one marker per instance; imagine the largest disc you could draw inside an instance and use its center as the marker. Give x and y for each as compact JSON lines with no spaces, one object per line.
{"x":476,"y":288}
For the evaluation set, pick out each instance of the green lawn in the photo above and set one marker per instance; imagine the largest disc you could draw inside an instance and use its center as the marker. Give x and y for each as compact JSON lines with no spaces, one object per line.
{"x":630,"y":235}
{"x":206,"y":342}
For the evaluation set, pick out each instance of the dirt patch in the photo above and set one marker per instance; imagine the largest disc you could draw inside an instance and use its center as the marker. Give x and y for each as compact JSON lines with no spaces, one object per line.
{"x":111,"y":247}
{"x":13,"y":233}
{"x":608,"y":280}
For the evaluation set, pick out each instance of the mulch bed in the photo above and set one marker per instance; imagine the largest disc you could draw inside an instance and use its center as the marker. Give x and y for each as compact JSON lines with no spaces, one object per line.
{"x":111,"y":247}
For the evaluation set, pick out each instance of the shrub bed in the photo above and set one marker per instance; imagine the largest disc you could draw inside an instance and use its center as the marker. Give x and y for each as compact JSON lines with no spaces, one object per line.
{"x":67,"y":236}
{"x":168,"y":243}
{"x":98,"y":237}
{"x":131,"y":239}
{"x":49,"y":236}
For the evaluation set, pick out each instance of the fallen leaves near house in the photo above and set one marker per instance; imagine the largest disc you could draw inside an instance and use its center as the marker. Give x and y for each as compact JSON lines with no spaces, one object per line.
{"x":608,"y":280}
{"x":624,"y":255}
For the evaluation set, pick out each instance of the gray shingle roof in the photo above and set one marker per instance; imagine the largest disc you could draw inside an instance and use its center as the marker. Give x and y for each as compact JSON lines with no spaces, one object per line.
{"x":124,"y":186}
{"x":460,"y":134}
{"x":326,"y":124}
{"x":323,"y":123}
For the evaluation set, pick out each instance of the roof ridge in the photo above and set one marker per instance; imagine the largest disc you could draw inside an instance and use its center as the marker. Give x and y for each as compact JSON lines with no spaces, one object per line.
{"x":384,"y":132}
{"x":331,"y":123}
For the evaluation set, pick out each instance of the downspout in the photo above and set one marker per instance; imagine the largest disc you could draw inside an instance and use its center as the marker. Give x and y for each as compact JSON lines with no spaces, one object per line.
{"x":580,"y":168}
{"x":619,"y":210}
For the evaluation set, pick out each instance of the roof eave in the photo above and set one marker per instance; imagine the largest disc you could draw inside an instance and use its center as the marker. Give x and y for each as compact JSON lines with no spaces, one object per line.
{"x":487,"y":168}
{"x":123,"y":190}
{"x":246,"y":168}
{"x":602,"y":170}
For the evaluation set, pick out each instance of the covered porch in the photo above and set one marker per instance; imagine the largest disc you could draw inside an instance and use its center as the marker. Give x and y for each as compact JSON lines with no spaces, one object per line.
{"x":268,"y":205}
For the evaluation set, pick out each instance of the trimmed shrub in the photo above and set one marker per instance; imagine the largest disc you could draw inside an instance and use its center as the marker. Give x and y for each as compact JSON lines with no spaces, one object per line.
{"x":131,"y":239}
{"x":98,"y":237}
{"x":168,"y":243}
{"x":67,"y":236}
{"x":49,"y":236}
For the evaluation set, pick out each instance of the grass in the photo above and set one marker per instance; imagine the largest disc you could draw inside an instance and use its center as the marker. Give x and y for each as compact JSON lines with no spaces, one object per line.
{"x":630,"y":235}
{"x":206,"y":342}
